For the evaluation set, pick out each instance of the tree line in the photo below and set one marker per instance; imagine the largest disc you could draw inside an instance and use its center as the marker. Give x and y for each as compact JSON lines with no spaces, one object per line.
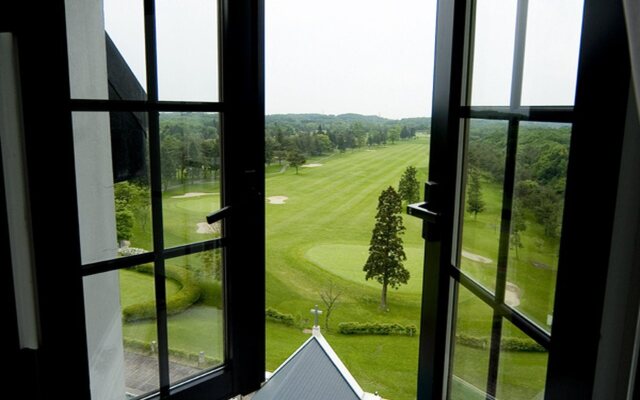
{"x":541,"y":165}
{"x":317,"y":135}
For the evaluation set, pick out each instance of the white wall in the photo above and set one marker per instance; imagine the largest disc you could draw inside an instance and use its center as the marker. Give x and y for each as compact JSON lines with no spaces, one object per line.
{"x":88,"y":72}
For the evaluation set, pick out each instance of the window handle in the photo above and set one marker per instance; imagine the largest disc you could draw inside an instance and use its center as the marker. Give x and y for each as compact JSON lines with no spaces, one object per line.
{"x":428,"y":211}
{"x":218,"y":215}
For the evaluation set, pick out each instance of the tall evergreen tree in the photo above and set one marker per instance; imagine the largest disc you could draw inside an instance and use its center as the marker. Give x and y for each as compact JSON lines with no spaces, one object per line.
{"x":475,"y":204}
{"x":386,"y":253}
{"x":409,"y":188}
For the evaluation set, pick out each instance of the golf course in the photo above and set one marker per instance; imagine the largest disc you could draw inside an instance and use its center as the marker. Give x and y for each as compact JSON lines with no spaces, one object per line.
{"x":319,"y":220}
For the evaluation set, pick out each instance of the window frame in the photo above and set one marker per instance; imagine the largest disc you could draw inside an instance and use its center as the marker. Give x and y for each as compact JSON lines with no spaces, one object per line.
{"x":569,"y":371}
{"x":60,"y":289}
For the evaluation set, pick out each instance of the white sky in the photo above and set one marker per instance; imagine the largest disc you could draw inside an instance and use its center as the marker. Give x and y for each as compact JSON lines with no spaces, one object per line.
{"x":370,"y":57}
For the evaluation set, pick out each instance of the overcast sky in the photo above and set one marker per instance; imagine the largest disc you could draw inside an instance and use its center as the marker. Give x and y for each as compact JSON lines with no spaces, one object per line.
{"x":364,"y":56}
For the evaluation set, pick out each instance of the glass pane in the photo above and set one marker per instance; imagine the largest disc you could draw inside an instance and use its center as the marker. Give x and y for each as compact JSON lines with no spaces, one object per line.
{"x":195,"y":314}
{"x":483,"y":200}
{"x":106,"y":66}
{"x":470,"y":362}
{"x":541,"y":169}
{"x":551,"y":52}
{"x":120,"y":309}
{"x":190,"y":163}
{"x":114,"y":201}
{"x":494,"y":35}
{"x":522,"y":368}
{"x":187,"y":36}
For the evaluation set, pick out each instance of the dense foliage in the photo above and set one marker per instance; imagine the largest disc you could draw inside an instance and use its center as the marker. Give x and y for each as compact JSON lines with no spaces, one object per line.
{"x":541,"y":165}
{"x":316,"y":134}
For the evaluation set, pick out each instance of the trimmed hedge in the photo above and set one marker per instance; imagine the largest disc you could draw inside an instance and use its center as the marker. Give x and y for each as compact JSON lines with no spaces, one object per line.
{"x":188,"y":294}
{"x":274,"y":315}
{"x":211,"y":293}
{"x":506,"y":344}
{"x":185,"y":357}
{"x":374,"y":328}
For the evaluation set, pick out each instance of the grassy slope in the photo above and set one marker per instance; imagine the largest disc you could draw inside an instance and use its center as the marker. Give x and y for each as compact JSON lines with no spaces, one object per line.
{"x":324,"y":227}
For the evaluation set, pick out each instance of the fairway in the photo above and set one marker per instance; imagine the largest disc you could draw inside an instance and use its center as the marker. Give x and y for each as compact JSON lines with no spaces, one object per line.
{"x":318,"y":231}
{"x":346,"y":261}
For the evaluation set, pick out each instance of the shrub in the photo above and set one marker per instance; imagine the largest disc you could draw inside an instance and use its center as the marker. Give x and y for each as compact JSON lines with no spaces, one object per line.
{"x":506,"y":344}
{"x":179,"y":355}
{"x":374,"y":328}
{"x":274,"y":315}
{"x":188,"y":294}
{"x":211,"y":293}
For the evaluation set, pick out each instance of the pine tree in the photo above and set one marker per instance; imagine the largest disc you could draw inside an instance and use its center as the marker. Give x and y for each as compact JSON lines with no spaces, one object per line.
{"x":409,"y":188}
{"x":386,"y":253}
{"x":475,"y":204}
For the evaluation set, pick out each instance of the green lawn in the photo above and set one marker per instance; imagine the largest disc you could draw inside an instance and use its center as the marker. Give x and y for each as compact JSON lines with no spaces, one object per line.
{"x":322,"y":233}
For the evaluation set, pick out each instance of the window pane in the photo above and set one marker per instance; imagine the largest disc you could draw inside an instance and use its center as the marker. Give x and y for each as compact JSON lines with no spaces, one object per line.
{"x":470,"y":362}
{"x":551,"y":52}
{"x":106,"y":66}
{"x":522,"y":368}
{"x":494,"y":35}
{"x":541,"y":169}
{"x":187,"y":36}
{"x":120,"y":312}
{"x":114,"y":204}
{"x":483,"y":200}
{"x":195,"y":314}
{"x":190,"y":163}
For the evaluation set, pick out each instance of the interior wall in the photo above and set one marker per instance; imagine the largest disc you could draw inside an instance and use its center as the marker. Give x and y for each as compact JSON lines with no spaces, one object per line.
{"x":620,"y":314}
{"x":17,"y":199}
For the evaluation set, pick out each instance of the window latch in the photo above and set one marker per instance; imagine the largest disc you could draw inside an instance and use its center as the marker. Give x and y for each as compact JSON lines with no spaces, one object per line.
{"x":428,"y":212}
{"x":218,"y":215}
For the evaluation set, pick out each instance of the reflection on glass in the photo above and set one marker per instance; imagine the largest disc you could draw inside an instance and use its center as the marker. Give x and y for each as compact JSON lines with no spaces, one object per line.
{"x":114,"y":200}
{"x":551,"y":52}
{"x":121,"y":331}
{"x":471,"y":350}
{"x":493,"y":52}
{"x":542,"y":156}
{"x":195,"y":323}
{"x":522,"y":367}
{"x":483,"y":200}
{"x":187,"y":50}
{"x":107,"y":66}
{"x":190,"y":163}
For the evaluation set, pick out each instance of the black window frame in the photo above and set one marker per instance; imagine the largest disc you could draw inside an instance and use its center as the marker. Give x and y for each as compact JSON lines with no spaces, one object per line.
{"x":41,"y":37}
{"x":573,"y":343}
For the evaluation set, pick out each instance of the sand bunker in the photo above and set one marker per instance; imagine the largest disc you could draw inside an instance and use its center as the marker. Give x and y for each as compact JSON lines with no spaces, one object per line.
{"x":205,"y":228}
{"x":512,"y":295}
{"x":192,"y":194}
{"x":476,"y":258}
{"x":311,"y":165}
{"x":277,"y":199}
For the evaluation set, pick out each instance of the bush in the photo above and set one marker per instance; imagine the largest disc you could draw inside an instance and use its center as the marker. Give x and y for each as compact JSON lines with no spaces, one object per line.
{"x":506,"y":344}
{"x":274,"y":315}
{"x":374,"y":328}
{"x":182,"y":356}
{"x":188,"y":294}
{"x":211,"y":293}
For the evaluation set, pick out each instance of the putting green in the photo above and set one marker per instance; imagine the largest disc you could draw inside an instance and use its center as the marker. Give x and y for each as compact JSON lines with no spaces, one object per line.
{"x":347,"y":260}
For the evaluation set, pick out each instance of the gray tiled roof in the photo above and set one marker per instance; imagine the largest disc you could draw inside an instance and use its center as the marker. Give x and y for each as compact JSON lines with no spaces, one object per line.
{"x":310,"y":374}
